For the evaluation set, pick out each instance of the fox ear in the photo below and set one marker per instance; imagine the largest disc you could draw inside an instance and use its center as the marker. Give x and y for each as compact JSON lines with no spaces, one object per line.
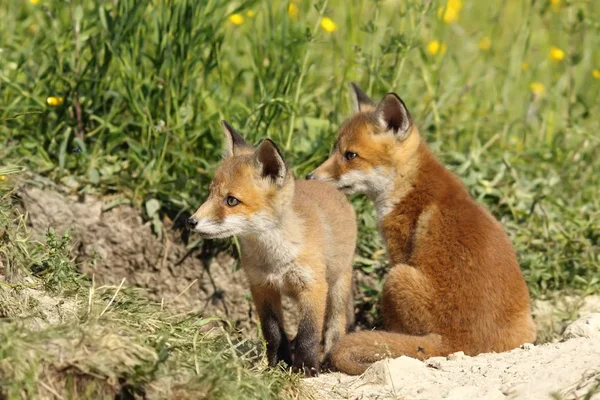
{"x":233,"y":141}
{"x":394,"y":115}
{"x":360,"y":100}
{"x":270,"y":162}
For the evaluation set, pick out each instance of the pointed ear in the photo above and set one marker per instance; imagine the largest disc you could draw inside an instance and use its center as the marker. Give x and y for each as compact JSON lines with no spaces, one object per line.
{"x":394,"y":115}
{"x":233,"y":141}
{"x":360,"y":100}
{"x":270,"y":162}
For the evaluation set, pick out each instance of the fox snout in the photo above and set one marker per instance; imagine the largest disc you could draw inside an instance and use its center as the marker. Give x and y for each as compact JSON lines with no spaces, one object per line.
{"x":191,"y":223}
{"x":324,"y":172}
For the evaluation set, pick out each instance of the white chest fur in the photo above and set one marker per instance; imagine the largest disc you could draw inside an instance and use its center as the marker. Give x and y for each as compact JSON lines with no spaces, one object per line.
{"x":270,"y":258}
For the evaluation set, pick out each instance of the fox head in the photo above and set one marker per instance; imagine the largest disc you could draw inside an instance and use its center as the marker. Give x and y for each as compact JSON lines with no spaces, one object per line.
{"x":248,"y":190}
{"x":374,"y":146}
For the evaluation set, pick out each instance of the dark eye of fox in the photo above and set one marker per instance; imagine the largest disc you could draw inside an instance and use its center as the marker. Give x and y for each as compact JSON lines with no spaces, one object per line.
{"x":232,"y":201}
{"x":350,"y":155}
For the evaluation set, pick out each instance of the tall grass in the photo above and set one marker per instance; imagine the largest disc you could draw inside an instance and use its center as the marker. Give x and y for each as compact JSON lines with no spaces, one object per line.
{"x":144,"y":85}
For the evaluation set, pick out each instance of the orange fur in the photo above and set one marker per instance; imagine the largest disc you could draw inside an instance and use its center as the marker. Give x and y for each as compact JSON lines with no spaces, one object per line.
{"x":455,"y":284}
{"x":297,"y":238}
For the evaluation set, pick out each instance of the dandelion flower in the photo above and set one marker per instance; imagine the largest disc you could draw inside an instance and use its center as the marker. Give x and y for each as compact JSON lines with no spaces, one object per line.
{"x":525,"y":66}
{"x":596,"y":73}
{"x":434,"y":47}
{"x":485,"y":43}
{"x":455,"y":4}
{"x":2,"y":178}
{"x":54,"y":101}
{"x":537,"y":88}
{"x":250,"y":13}
{"x":556,"y":54}
{"x":328,"y":25}
{"x":555,"y":4}
{"x":236,"y":19}
{"x":450,"y":12}
{"x":34,"y":2}
{"x":293,"y":11}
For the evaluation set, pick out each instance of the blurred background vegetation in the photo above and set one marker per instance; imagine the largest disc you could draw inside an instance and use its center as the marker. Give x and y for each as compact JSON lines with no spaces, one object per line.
{"x":124,"y":97}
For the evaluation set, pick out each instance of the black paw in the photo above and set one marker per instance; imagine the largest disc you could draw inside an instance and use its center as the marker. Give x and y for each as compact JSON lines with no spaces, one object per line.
{"x":309,"y":372}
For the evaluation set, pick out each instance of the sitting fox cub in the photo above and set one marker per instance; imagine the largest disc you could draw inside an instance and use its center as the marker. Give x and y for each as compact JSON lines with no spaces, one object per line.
{"x":455,"y":283}
{"x":297,"y":238}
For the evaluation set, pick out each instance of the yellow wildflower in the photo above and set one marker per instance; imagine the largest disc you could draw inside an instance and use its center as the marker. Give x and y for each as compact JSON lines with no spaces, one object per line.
{"x":434,"y":47}
{"x":596,"y":73}
{"x":293,"y":11}
{"x":54,"y":101}
{"x":236,"y":19}
{"x":485,"y":43}
{"x":450,"y":12}
{"x":2,"y":178}
{"x":537,"y":88}
{"x":525,"y":66}
{"x":556,"y":54}
{"x":555,"y":4}
{"x":250,"y":13}
{"x":34,"y":2}
{"x":328,"y":25}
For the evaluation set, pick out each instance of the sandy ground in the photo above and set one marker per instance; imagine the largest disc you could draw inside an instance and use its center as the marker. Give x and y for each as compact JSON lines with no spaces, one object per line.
{"x":569,"y":368}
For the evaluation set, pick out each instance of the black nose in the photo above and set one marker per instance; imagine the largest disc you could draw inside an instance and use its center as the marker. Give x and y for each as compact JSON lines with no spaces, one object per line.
{"x":310,"y":176}
{"x":192,"y":222}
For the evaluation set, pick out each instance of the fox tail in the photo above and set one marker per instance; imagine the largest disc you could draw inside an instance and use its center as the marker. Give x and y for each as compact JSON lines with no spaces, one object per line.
{"x":355,"y":352}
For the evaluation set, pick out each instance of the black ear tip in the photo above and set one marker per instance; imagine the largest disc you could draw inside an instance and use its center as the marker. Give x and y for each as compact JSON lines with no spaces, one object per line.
{"x":225,"y":125}
{"x":355,"y":87}
{"x":269,"y":140}
{"x":272,"y":143}
{"x":391,"y":96}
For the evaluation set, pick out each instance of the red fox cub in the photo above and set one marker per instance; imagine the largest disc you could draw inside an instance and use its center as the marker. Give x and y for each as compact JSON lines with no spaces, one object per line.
{"x":297,"y":238}
{"x":455,"y":284}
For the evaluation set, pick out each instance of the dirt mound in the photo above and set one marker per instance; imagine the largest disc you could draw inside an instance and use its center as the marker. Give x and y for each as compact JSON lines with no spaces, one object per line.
{"x":117,"y":244}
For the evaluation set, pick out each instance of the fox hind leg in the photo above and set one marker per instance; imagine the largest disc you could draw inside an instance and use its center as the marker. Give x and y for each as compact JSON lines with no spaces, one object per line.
{"x":406,"y":301}
{"x":312,"y":304}
{"x":340,"y":310}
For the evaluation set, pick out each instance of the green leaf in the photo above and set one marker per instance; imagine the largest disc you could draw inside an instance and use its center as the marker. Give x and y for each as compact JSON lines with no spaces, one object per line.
{"x":152,"y":207}
{"x":94,"y":176}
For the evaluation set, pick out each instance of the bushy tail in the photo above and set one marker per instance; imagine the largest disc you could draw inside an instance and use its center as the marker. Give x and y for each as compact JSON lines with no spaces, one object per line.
{"x":355,"y":352}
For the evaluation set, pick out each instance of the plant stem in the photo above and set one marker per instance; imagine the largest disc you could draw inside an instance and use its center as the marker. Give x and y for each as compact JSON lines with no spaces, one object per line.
{"x":301,"y":78}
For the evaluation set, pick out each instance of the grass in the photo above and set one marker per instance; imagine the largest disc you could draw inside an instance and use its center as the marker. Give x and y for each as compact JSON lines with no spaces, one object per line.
{"x":125,"y":97}
{"x":61,"y":336}
{"x":144,"y":84}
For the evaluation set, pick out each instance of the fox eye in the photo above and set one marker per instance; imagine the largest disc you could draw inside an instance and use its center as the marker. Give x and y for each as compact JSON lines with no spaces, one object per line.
{"x":232,"y":201}
{"x":350,"y":155}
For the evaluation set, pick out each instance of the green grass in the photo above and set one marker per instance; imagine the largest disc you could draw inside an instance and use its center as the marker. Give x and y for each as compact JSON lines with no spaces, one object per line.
{"x":62,"y":336}
{"x":144,"y":85}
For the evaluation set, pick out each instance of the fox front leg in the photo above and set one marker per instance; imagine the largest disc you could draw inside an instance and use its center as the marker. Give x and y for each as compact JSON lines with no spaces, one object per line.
{"x":268,"y":306}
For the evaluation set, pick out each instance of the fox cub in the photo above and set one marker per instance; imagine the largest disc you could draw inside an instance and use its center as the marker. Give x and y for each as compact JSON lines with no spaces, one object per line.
{"x":455,"y":283}
{"x":297,"y":238}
